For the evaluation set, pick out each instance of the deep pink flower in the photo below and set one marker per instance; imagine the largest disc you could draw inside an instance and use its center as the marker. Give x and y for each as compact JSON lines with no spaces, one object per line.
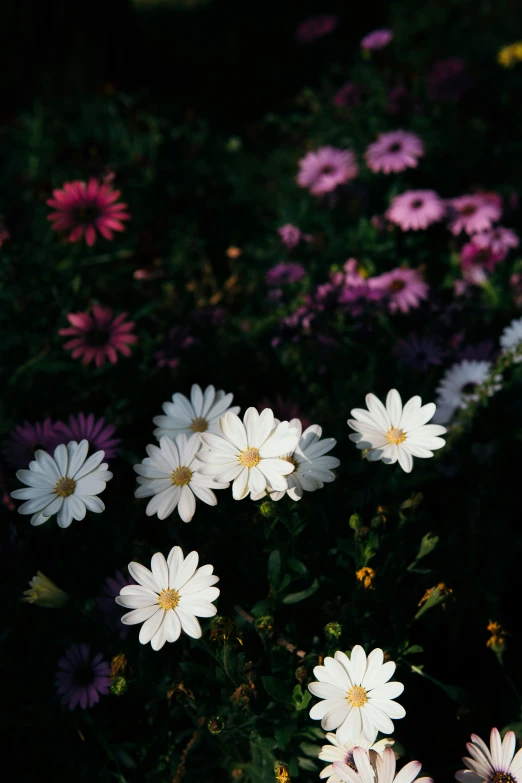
{"x":448,"y":80}
{"x":416,"y":209}
{"x":178,"y":340}
{"x":377,"y":39}
{"x":473,"y":213}
{"x":282,"y":274}
{"x":96,"y":431}
{"x":80,"y":679}
{"x":291,"y":236}
{"x":472,"y":256}
{"x":498,"y":240}
{"x":326,"y":168}
{"x":98,"y":336}
{"x":394,"y":151}
{"x":349,"y":96}
{"x":315,"y":27}
{"x":356,"y":290}
{"x":403,"y":288}
{"x":84,"y":208}
{"x":27,"y":438}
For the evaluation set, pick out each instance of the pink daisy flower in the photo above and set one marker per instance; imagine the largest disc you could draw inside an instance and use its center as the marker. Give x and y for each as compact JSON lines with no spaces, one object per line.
{"x":394,"y":151}
{"x":403,"y":288}
{"x":377,"y":39}
{"x":473,"y":213}
{"x":85,"y":208}
{"x":96,"y":431}
{"x":484,"y":258}
{"x":291,"y":235}
{"x":416,"y":209}
{"x":497,"y":240}
{"x":97,"y":336}
{"x":315,"y":27}
{"x":326,"y":168}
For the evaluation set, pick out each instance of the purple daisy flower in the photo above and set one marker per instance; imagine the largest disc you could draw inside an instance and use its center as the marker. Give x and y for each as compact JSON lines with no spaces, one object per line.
{"x":178,"y":340}
{"x":421,"y":353}
{"x":403,"y":288}
{"x":27,"y":438}
{"x":285,"y":273}
{"x":472,"y":255}
{"x":291,"y":236}
{"x":498,"y":241}
{"x":416,"y":209}
{"x":315,"y":27}
{"x":377,"y":39}
{"x":326,"y":168}
{"x":394,"y":152}
{"x":473,"y":213}
{"x":81,"y":680}
{"x":107,"y":605}
{"x":96,"y":431}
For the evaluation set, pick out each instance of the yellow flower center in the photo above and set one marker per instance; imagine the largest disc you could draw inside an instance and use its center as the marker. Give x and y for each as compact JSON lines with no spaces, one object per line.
{"x":181,"y":476}
{"x":199,"y":425}
{"x":395,"y":435}
{"x":250,"y":457}
{"x":502,"y":777}
{"x":168,"y":599}
{"x":357,"y":696}
{"x":65,"y":487}
{"x":291,"y":460}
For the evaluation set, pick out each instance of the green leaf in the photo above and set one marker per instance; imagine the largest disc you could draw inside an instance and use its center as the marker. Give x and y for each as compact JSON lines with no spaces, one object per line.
{"x":284,"y":734}
{"x":427,"y":545}
{"x":277,"y":689}
{"x":297,"y":566}
{"x":274,"y":568}
{"x":301,"y":698}
{"x":455,"y":693}
{"x":295,"y":598}
{"x":310,"y":750}
{"x":306,"y":764}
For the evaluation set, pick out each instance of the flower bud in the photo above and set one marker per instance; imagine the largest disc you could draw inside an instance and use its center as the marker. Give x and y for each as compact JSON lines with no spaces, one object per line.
{"x":333,"y":631}
{"x":216,"y":724}
{"x":118,"y":686}
{"x":44,"y":593}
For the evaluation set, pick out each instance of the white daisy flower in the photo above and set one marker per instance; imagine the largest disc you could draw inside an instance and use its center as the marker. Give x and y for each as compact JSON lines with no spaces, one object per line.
{"x":394,"y":433}
{"x":357,"y":695}
{"x":199,"y":414}
{"x":458,"y":387}
{"x":496,"y":764}
{"x":66,"y":485}
{"x":378,"y":769}
{"x":312,"y":468}
{"x":250,"y":452}
{"x":170,"y":473}
{"x":169,"y":598}
{"x":511,"y":339}
{"x":343,"y":752}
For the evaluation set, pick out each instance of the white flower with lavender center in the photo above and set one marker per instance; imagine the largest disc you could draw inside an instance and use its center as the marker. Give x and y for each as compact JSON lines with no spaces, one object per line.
{"x":250,"y":452}
{"x":396,"y":433}
{"x":375,"y":768}
{"x":496,"y":764}
{"x":170,"y":474}
{"x":459,"y":387}
{"x":357,"y":697}
{"x":169,"y":598}
{"x":343,"y":752}
{"x":511,"y":340}
{"x":66,"y":484}
{"x":312,"y":468}
{"x":199,"y":414}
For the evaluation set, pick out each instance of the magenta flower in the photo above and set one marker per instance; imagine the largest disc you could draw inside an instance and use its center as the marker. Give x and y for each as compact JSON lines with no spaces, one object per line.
{"x":84,"y":208}
{"x":394,"y":151}
{"x":403,"y":289}
{"x":377,"y":39}
{"x":107,"y":605}
{"x":472,"y":256}
{"x":27,"y":438}
{"x":291,"y":236}
{"x":326,"y":168}
{"x":416,"y":209}
{"x":178,"y":340}
{"x":349,"y":96}
{"x":448,"y":80}
{"x":473,"y":213}
{"x":80,"y":680}
{"x":356,"y":290}
{"x":96,"y":431}
{"x":315,"y":27}
{"x":98,"y":336}
{"x":283,"y":274}
{"x":497,"y":240}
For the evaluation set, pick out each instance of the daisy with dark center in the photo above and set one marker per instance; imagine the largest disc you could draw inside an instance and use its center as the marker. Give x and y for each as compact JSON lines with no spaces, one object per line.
{"x":343,"y":752}
{"x":394,"y":152}
{"x":402,"y":289}
{"x":25,"y":440}
{"x":472,"y":213}
{"x":499,"y":240}
{"x":459,"y":386}
{"x":496,"y":764}
{"x":285,"y":274}
{"x":83,"y":209}
{"x":375,"y":768}
{"x":98,"y":335}
{"x":416,"y":209}
{"x":325,"y":169}
{"x":95,"y":431}
{"x":81,"y":680}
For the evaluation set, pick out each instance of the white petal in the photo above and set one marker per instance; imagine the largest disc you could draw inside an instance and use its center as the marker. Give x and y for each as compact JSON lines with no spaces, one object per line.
{"x":187,"y":504}
{"x":143,"y":576}
{"x":150,"y":626}
{"x":160,"y":572}
{"x":139,"y":615}
{"x":189,"y":623}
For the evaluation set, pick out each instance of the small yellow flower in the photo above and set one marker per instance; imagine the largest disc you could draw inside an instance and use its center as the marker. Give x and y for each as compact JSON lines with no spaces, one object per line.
{"x":498,"y":635}
{"x":44,"y":593}
{"x":234,"y":252}
{"x":510,"y":55}
{"x":281,"y":773}
{"x":441,"y":590}
{"x":366,"y":575}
